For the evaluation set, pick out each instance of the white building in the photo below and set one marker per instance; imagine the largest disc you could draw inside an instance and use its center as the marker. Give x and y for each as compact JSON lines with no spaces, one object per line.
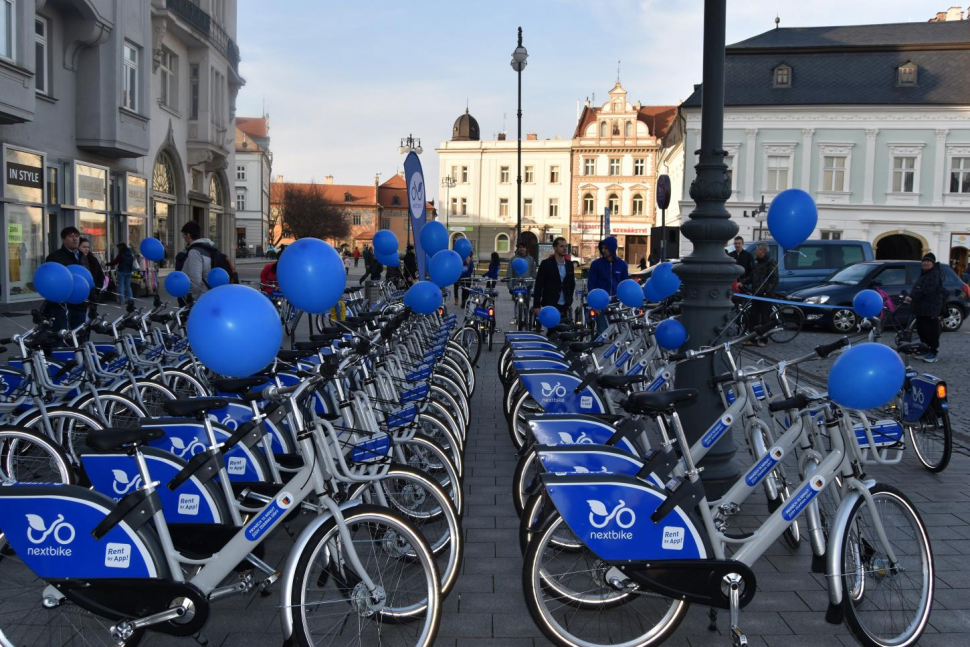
{"x":481,"y":206}
{"x":872,"y":120}
{"x":251,"y":177}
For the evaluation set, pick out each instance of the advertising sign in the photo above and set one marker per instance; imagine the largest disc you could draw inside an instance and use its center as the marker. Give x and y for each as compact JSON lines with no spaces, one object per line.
{"x":90,"y":186}
{"x":663,"y":191}
{"x":136,"y":194}
{"x":417,"y":203}
{"x":23,"y":175}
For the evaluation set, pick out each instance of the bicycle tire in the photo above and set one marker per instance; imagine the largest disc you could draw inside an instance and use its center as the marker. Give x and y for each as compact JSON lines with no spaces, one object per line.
{"x":919,"y":438}
{"x":470,"y":338}
{"x":71,"y":438}
{"x":790,"y":319}
{"x":120,"y":411}
{"x":29,"y":457}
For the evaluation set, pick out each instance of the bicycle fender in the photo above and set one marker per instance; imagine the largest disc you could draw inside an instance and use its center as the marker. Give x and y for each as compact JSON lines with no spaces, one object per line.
{"x":833,"y":569}
{"x":289,"y":569}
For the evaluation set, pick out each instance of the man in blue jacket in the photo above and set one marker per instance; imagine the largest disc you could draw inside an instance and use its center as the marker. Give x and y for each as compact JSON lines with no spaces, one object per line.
{"x":606,"y":273}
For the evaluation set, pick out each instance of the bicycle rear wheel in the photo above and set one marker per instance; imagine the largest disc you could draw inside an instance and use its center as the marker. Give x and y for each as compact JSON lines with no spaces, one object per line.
{"x":790,"y":319}
{"x":932,"y":438}
{"x":471,"y":340}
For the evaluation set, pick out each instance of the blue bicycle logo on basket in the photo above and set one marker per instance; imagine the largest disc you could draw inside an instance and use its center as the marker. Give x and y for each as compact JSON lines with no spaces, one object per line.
{"x":582,"y":439}
{"x":123,"y":484}
{"x":180,"y":449}
{"x":62,"y":531}
{"x":599,"y":516}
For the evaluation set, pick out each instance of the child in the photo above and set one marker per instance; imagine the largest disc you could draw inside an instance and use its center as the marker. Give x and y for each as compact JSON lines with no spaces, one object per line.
{"x":347,"y":258}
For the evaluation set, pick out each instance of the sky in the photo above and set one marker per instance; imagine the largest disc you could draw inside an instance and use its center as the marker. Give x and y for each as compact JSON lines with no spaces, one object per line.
{"x":343,"y":81}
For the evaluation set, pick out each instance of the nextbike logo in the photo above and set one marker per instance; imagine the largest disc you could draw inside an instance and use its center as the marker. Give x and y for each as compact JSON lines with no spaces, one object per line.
{"x":230,"y":422}
{"x":123,"y":484}
{"x":180,"y":449}
{"x":553,"y":393}
{"x":600,"y":517}
{"x":582,"y":439}
{"x":59,"y":530}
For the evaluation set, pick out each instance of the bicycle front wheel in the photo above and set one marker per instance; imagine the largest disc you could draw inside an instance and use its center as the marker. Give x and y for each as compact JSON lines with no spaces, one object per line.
{"x":331,"y":603}
{"x":471,"y":341}
{"x":789,"y":319}
{"x":932,"y":438}
{"x":886,"y":603}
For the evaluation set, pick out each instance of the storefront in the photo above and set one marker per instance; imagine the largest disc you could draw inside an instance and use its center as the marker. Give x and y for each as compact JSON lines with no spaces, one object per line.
{"x":89,"y":197}
{"x":24,"y":221}
{"x":163,"y":202}
{"x":133,"y":219}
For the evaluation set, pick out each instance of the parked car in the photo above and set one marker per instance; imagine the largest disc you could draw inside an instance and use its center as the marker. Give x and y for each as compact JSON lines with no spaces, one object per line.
{"x":893,"y":278}
{"x":814,"y":260}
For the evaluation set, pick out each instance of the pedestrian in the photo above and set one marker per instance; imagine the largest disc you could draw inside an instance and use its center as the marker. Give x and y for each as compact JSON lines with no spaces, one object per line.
{"x":91,"y":261}
{"x":606,"y":273}
{"x":68,"y":254}
{"x":643,"y":262}
{"x":124,"y":260}
{"x":467,"y":272}
{"x":521,"y":251}
{"x":926,"y":300}
{"x":764,"y":280}
{"x":347,"y":258}
{"x":356,"y":256}
{"x":267,"y":278}
{"x":372,"y":269}
{"x":410,"y":265}
{"x":743,"y":258}
{"x":555,"y":281}
{"x":198,"y":258}
{"x":654,"y":259}
{"x":493,"y":267}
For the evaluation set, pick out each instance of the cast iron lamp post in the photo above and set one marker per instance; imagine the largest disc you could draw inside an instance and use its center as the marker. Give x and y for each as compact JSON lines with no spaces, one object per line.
{"x":519,"y":61}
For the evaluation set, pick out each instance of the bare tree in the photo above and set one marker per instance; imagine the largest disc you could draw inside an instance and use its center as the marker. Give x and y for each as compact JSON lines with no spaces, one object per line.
{"x":305,"y":213}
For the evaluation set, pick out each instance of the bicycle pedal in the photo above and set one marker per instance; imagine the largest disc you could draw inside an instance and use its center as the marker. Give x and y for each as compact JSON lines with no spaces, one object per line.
{"x":268,"y":582}
{"x":738,"y":639}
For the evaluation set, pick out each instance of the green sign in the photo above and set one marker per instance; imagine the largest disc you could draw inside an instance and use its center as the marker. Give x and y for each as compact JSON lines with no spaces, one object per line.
{"x":15,"y":233}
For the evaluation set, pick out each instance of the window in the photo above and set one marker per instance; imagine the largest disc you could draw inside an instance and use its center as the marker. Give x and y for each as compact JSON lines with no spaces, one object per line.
{"x":168,"y":74}
{"x":7,"y":32}
{"x":241,"y":172}
{"x":464,"y":175}
{"x":960,"y":175}
{"x":454,"y":205}
{"x":589,"y":166}
{"x":628,"y":129}
{"x":502,"y":243}
{"x":395,"y":201}
{"x":639,"y":166}
{"x":782,"y":76}
{"x":356,"y":219}
{"x":614,"y":166}
{"x":41,"y":48}
{"x":603,"y":129}
{"x":240,"y":201}
{"x":220,"y":113}
{"x":454,"y":173}
{"x":52,"y":193}
{"x":616,"y":129}
{"x":194,"y":99}
{"x":503,"y":207}
{"x":778,"y":171}
{"x":503,"y":175}
{"x":637,"y":205}
{"x":613,"y":202}
{"x":385,"y":223}
{"x":553,"y":207}
{"x":729,"y":172}
{"x":904,"y":174}
{"x":807,"y":256}
{"x":527,"y":208}
{"x":907,"y":74}
{"x":831,"y":235}
{"x":530,"y":174}
{"x":554,"y":175}
{"x":129,"y":97}
{"x":589,"y":205}
{"x":833,"y":173}
{"x":463,"y":211}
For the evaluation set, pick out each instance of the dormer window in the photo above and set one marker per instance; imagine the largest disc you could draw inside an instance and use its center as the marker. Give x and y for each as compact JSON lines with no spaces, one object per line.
{"x":347,"y":196}
{"x":395,"y":201}
{"x":782,"y":76}
{"x":906,"y":74}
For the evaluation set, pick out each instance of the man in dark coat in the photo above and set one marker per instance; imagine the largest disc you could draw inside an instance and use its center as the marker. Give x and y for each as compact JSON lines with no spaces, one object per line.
{"x":743,"y":258}
{"x":410,"y":265}
{"x":555,"y":281}
{"x":764,"y":280}
{"x":926,"y":299}
{"x":68,"y":254}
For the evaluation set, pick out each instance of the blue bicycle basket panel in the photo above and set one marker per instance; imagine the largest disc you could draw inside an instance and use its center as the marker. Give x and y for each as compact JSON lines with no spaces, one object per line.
{"x":10,"y":381}
{"x":532,"y":345}
{"x":115,"y":475}
{"x":371,"y":450}
{"x":611,"y":516}
{"x":237,"y":413}
{"x":540,"y":364}
{"x":50,"y":528}
{"x":918,"y":397}
{"x":520,"y":291}
{"x":416,"y":394}
{"x":402,"y":417}
{"x":555,"y":392}
{"x":884,"y":432}
{"x":567,"y":429}
{"x":482,"y":312}
{"x":537,"y":354}
{"x":524,"y":336}
{"x":419,"y":375}
{"x":591,"y":459}
{"x":186,"y":438}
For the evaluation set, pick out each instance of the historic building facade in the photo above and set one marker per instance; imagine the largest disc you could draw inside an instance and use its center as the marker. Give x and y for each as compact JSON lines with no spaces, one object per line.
{"x":251,"y":177}
{"x":477,"y":182}
{"x":872,"y":120}
{"x":615,"y":154}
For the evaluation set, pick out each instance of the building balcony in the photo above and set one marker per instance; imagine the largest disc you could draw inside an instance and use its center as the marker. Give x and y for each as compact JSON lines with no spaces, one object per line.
{"x":204,"y":27}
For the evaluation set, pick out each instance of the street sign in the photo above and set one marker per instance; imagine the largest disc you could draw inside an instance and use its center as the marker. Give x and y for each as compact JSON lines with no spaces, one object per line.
{"x":606,"y":219}
{"x":417,"y":203}
{"x":663,"y":192}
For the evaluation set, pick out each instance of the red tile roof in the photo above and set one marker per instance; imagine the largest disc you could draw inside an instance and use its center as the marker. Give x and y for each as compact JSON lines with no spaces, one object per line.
{"x":657,"y":118}
{"x":257,"y":127}
{"x":250,"y":144}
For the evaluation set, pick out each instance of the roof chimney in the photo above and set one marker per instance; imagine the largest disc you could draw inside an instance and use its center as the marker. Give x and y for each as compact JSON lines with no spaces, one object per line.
{"x":328,"y":179}
{"x":531,"y":137}
{"x":501,"y":137}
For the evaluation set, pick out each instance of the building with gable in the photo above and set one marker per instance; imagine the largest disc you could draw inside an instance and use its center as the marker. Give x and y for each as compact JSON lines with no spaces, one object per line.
{"x":253,"y":169}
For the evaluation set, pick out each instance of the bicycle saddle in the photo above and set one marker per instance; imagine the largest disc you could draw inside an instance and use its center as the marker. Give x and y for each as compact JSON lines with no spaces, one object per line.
{"x":619,"y":381}
{"x":238,"y":384}
{"x":570,"y":336}
{"x":195,"y":406}
{"x":912,"y":348}
{"x":312,"y":346}
{"x":582,"y":347}
{"x":111,"y":440}
{"x":293,"y":355}
{"x":654,"y":402}
{"x":564,"y":327}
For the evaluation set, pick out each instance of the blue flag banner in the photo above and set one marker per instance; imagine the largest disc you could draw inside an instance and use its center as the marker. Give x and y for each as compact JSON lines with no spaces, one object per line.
{"x":606,"y":219}
{"x":417,"y":204}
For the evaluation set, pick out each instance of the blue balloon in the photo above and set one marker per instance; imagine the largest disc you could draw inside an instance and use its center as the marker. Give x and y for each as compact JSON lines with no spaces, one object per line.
{"x":662,"y":269}
{"x":670,"y":334}
{"x":519,"y":265}
{"x":424,"y":297}
{"x":79,"y":290}
{"x":630,"y":293}
{"x":867,"y":303}
{"x":389,"y":260}
{"x":54,"y":282}
{"x":549,"y":317}
{"x":652,"y":293}
{"x":385,"y":243}
{"x":434,"y":237}
{"x":666,"y":284}
{"x":445,"y":267}
{"x":866,"y":376}
{"x":598,"y":299}
{"x":82,"y":271}
{"x":311,"y":275}
{"x":178,"y":284}
{"x":792,"y":218}
{"x":217,"y":277}
{"x":464,"y":247}
{"x":152,"y":249}
{"x":235,"y":330}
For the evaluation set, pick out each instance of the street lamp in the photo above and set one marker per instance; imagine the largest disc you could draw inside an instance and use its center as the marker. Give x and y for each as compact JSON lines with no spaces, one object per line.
{"x":448,"y":183}
{"x":519,"y":61}
{"x":410,"y":145}
{"x":760,"y":215}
